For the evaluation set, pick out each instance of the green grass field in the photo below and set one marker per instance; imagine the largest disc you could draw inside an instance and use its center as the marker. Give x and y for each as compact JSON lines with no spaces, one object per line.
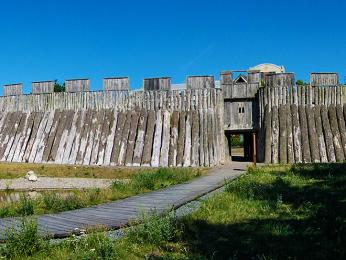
{"x":276,"y":212}
{"x":140,"y":182}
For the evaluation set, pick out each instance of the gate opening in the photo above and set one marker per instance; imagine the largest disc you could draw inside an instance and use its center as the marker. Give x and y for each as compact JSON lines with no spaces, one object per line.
{"x":240,"y":146}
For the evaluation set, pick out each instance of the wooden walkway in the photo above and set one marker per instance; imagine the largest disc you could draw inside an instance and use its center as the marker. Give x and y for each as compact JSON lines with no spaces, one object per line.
{"x":117,"y":214}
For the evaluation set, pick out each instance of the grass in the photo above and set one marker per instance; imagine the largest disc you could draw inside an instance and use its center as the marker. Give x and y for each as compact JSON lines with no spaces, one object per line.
{"x":274,"y":213}
{"x":278,"y":212}
{"x":144,"y":181}
{"x":18,"y":170}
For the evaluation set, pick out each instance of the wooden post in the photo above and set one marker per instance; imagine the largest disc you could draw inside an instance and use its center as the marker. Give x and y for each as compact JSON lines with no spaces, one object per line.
{"x":254,"y":149}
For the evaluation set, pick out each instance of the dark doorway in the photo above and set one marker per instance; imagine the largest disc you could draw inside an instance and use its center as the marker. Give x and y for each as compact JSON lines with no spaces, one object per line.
{"x":240,"y":146}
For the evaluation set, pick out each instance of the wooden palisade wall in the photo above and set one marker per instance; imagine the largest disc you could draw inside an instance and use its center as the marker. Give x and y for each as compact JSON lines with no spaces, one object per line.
{"x":157,"y":128}
{"x":303,"y":124}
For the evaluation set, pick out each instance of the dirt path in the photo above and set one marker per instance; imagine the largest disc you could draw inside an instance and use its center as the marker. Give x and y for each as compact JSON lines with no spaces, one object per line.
{"x":48,"y":183}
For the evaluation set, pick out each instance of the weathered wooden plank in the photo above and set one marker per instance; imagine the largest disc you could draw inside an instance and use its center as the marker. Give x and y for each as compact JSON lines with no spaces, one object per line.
{"x":187,"y":147}
{"x":81,"y":114}
{"x":268,"y":135}
{"x":155,"y":159}
{"x":214,"y":136}
{"x":100,"y":115}
{"x":206,"y":138}
{"x":71,"y":137}
{"x":33,"y":136}
{"x":138,"y":150}
{"x":275,"y":135}
{"x":290,"y":145}
{"x":173,"y":146}
{"x":305,"y":135}
{"x":319,"y":133}
{"x":104,"y":134}
{"x":84,"y":136}
{"x":195,"y":139}
{"x":44,"y":138}
{"x":21,"y":142}
{"x":38,"y":138}
{"x":202,"y":136}
{"x":124,"y":138}
{"x":132,"y":138}
{"x":59,"y":131}
{"x":7,"y":130}
{"x":64,"y":136}
{"x":148,"y":140}
{"x":91,"y":136}
{"x":4,"y":117}
{"x":283,"y":134}
{"x":313,"y":138}
{"x":296,"y":134}
{"x":110,"y":137}
{"x":339,"y":151}
{"x":165,"y":139}
{"x":328,"y":136}
{"x":210,"y":138}
{"x":181,"y":139}
{"x":117,"y":138}
{"x":17,"y":137}
{"x":342,"y":127}
{"x":51,"y":137}
{"x":29,"y":132}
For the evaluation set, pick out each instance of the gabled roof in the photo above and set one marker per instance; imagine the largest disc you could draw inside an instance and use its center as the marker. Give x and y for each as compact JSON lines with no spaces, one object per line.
{"x":241,"y":79}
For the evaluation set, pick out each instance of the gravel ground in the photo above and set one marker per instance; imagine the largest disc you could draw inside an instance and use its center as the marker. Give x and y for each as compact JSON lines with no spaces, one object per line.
{"x":48,"y":183}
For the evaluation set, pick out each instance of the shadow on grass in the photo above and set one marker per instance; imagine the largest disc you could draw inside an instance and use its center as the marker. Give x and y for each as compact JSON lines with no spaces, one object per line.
{"x":315,"y":229}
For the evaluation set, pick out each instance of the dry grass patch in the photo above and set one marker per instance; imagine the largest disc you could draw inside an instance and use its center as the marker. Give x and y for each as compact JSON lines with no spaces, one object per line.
{"x":17,"y":170}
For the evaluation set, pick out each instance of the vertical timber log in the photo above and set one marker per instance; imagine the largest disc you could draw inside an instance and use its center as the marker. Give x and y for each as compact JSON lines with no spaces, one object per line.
{"x":268,"y":135}
{"x":283,"y":134}
{"x":187,"y":147}
{"x":124,"y":139}
{"x":305,"y":135}
{"x":313,"y":138}
{"x":290,"y":146}
{"x":195,"y":139}
{"x":181,"y":139}
{"x":296,"y":134}
{"x":339,"y":151}
{"x":51,"y":137}
{"x":27,"y":136}
{"x":36,"y":124}
{"x":328,"y":134}
{"x":103,"y":138}
{"x":342,"y":127}
{"x":17,"y":137}
{"x":148,"y":141}
{"x":138,"y":151}
{"x":165,"y":139}
{"x":17,"y":157}
{"x":319,"y":133}
{"x":110,"y":137}
{"x":76,"y":141}
{"x":155,"y":159}
{"x":84,"y":136}
{"x":132,"y":138}
{"x":172,"y":158}
{"x":275,"y":135}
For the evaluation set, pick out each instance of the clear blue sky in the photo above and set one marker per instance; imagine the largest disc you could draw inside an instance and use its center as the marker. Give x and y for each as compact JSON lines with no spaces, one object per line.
{"x":43,"y":40}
